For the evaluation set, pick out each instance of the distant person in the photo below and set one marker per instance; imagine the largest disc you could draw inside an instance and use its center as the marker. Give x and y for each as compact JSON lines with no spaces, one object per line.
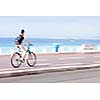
{"x":57,"y":47}
{"x":20,"y":45}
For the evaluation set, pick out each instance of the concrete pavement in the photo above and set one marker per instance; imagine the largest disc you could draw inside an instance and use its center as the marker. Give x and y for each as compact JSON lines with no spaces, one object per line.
{"x":47,"y":63}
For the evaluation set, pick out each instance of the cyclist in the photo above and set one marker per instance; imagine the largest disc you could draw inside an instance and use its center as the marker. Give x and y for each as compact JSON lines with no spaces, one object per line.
{"x":19,"y":44}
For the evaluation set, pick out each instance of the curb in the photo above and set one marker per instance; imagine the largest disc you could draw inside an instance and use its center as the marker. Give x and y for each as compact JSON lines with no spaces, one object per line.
{"x":33,"y":71}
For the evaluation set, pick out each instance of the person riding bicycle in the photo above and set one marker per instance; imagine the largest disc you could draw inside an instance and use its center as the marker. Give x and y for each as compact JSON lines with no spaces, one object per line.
{"x":20,"y":45}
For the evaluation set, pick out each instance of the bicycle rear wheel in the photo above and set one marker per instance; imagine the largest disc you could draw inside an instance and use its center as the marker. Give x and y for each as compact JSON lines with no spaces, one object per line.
{"x":15,"y":60}
{"x":31,"y":60}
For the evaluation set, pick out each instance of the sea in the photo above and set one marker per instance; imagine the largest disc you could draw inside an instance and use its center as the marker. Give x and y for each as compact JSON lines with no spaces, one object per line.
{"x":45,"y":45}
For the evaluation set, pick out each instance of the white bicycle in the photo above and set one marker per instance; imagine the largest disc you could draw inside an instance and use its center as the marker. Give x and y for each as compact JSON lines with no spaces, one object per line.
{"x":30,"y":58}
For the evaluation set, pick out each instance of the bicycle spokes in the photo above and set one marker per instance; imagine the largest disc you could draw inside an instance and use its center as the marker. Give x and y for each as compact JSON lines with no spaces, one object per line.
{"x":15,"y":60}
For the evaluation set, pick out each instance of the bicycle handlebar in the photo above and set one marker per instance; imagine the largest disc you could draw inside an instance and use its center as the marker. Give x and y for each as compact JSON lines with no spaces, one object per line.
{"x":28,"y":44}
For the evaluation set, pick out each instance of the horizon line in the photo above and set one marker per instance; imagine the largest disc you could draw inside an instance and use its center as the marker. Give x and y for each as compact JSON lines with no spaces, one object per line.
{"x":55,"y":38}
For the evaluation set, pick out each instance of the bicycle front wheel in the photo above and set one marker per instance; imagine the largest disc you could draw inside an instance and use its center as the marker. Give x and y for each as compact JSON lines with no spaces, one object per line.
{"x":15,"y":60}
{"x":31,"y":60}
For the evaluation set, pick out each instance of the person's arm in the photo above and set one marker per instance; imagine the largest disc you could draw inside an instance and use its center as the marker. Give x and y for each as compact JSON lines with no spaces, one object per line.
{"x":26,"y":39}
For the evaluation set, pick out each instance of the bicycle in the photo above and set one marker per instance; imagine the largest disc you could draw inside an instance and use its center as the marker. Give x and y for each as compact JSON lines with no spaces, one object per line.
{"x":30,"y":58}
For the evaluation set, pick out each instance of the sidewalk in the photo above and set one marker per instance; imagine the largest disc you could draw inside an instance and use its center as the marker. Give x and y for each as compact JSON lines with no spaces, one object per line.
{"x":12,"y":72}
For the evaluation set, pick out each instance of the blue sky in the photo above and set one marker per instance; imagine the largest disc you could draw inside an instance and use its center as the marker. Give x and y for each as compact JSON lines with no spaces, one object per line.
{"x":51,"y":26}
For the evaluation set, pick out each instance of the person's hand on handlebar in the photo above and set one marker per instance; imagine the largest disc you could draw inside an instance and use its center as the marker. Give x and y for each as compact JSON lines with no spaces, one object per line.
{"x":30,"y":44}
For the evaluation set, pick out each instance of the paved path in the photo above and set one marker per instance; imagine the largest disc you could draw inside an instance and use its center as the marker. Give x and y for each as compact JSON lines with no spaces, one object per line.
{"x":47,"y":63}
{"x":52,"y":60}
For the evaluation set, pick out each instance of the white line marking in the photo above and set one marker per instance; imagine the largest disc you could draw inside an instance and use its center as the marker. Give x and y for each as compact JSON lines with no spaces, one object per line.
{"x":61,"y":67}
{"x":47,"y":68}
{"x":72,"y":58}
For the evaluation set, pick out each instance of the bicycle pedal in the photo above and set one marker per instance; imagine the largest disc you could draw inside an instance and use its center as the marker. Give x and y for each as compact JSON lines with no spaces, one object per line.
{"x":22,"y":61}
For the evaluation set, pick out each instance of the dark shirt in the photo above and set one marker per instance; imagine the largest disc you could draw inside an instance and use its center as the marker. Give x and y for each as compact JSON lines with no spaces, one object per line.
{"x":19,"y":39}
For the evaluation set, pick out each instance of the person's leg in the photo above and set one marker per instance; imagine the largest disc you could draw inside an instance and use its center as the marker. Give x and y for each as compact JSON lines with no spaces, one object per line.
{"x":23,"y":51}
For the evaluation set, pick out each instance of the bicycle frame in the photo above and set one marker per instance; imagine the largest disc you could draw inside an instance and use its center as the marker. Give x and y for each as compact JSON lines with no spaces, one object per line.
{"x":27,"y":51}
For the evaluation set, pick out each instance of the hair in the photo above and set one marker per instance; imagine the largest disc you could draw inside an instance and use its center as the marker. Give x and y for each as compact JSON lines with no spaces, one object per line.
{"x":22,"y":31}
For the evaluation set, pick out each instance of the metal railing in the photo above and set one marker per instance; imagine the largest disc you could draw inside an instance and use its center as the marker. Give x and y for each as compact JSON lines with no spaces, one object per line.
{"x":48,"y":49}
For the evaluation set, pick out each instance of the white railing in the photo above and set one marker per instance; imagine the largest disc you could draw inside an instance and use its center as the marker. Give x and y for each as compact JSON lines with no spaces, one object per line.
{"x":52,"y":49}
